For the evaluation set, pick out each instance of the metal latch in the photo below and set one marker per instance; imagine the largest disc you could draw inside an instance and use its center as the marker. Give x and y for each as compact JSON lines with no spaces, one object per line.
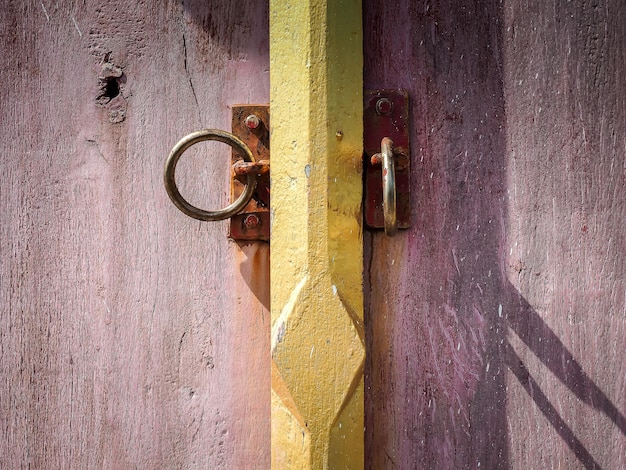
{"x":387,"y":197}
{"x":386,"y":165}
{"x":250,"y":182}
{"x":251,"y":124}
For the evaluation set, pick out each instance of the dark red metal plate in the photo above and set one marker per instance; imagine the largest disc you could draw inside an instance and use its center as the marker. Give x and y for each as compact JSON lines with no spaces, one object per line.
{"x":391,"y":119}
{"x":253,"y":223}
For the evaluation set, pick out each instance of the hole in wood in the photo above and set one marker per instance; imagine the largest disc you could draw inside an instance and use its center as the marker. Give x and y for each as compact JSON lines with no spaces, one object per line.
{"x":111,"y":88}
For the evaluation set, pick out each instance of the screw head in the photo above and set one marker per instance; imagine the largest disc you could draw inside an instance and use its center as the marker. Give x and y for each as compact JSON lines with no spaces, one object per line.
{"x":251,"y":221}
{"x":384,"y":106}
{"x":252,"y":122}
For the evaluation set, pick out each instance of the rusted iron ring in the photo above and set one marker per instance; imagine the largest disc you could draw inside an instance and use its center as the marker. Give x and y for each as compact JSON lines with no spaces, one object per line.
{"x":170,"y":168}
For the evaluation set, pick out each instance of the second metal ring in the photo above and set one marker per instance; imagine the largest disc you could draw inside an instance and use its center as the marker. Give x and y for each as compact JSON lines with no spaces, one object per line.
{"x":389,"y":187}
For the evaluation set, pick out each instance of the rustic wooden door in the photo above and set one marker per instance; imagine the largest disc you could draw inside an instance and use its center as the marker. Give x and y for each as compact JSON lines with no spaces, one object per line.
{"x":131,"y":336}
{"x":496,"y":325}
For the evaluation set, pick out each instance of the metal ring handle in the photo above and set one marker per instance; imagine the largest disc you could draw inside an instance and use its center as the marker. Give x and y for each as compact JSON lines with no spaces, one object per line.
{"x":389,"y":187}
{"x":170,"y":169}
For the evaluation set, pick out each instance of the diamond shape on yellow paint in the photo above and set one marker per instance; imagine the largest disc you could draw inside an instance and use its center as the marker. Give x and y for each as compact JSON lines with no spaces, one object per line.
{"x":320,"y":336}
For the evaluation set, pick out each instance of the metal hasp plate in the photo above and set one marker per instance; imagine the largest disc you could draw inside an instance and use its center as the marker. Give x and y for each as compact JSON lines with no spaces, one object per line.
{"x":386,"y":114}
{"x":251,"y":123}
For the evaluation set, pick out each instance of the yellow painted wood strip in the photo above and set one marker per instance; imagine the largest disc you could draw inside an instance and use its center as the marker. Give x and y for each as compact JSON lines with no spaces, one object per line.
{"x":316,"y":269}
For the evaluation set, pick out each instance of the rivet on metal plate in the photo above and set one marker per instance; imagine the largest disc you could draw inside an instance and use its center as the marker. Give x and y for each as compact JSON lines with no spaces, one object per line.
{"x":251,"y":124}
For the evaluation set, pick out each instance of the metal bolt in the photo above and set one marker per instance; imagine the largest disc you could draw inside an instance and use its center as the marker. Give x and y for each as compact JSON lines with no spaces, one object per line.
{"x":384,"y":106}
{"x":253,"y":122}
{"x":251,"y":221}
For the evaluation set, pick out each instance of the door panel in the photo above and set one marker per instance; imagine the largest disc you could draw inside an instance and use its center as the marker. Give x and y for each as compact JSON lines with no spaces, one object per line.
{"x":496,"y":324}
{"x":565,"y":245}
{"x":131,"y":336}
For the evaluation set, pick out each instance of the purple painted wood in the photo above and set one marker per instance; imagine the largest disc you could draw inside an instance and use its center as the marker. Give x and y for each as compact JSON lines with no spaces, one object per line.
{"x":496,"y":324}
{"x":130,"y":335}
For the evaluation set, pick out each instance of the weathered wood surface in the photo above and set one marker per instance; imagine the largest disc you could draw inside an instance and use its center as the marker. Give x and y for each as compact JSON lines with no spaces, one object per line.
{"x":130,"y":335}
{"x":496,"y":324}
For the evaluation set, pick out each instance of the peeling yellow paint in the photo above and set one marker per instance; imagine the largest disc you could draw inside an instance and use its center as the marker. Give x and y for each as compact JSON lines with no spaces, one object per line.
{"x":318,"y":349}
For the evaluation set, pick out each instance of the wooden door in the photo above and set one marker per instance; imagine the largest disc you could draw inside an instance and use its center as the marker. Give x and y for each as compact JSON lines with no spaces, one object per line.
{"x":496,"y":325}
{"x":131,"y":336}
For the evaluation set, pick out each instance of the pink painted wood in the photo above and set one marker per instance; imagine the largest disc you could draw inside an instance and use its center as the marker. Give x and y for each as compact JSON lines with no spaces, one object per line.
{"x":130,"y":335}
{"x":497,"y":323}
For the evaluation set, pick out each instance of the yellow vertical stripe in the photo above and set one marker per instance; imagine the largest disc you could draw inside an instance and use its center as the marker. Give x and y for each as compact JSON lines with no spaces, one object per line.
{"x":316,"y":242}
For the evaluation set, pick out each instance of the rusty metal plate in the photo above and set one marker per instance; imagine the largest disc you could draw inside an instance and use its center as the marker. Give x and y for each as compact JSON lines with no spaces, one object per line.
{"x":253,"y":223}
{"x":386,"y":114}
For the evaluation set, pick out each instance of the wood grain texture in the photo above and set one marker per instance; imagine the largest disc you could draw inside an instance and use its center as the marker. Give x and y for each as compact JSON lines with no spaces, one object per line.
{"x":130,"y":335}
{"x":565,"y":88}
{"x":496,"y":324}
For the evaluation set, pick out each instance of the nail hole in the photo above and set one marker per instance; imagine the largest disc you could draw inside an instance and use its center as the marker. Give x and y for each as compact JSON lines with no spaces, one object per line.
{"x":110,"y":80}
{"x":111,"y":88}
